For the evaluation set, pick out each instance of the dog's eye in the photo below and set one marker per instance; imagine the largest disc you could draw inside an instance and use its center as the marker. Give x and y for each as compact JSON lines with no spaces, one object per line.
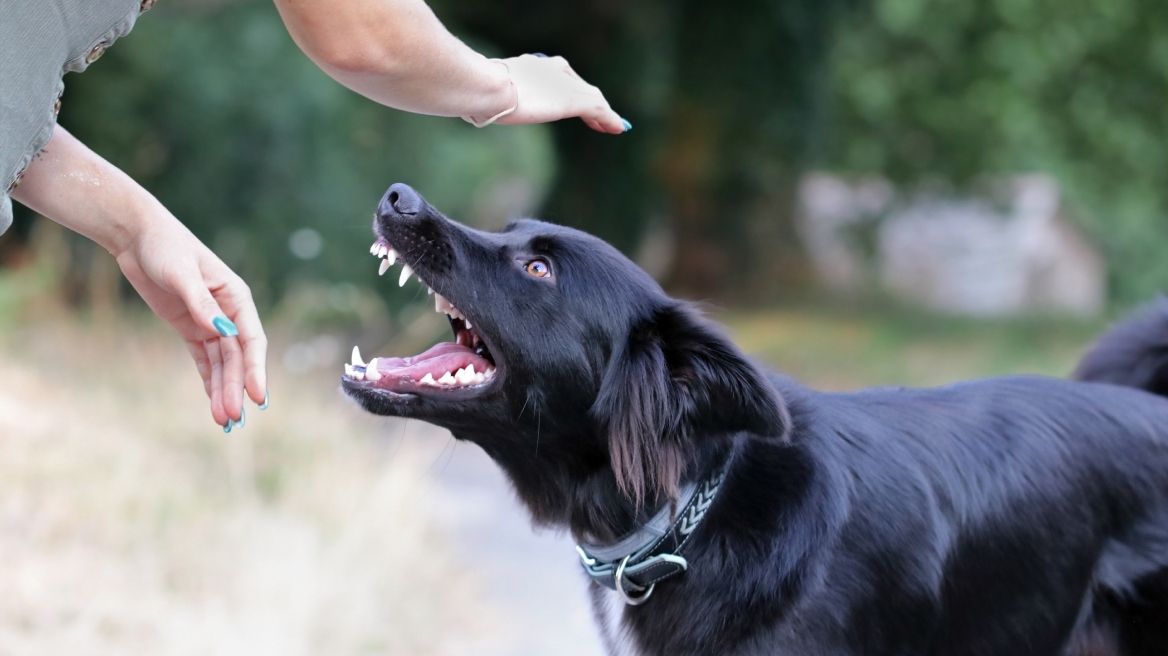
{"x":538,"y":268}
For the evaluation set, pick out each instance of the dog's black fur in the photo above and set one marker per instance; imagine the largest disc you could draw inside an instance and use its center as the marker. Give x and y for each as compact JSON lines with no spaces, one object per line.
{"x":1013,"y":516}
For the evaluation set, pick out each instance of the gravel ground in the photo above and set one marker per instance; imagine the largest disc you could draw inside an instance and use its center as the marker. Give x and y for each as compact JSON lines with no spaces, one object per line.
{"x":531,"y":577}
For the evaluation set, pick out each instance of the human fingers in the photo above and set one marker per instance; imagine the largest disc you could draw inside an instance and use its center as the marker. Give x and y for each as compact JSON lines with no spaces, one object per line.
{"x":199,"y":353}
{"x":592,"y":107}
{"x":236,"y":299}
{"x":192,"y":288}
{"x":548,"y":89}
{"x":215,"y":356}
{"x":232,"y":354}
{"x":598,"y":115}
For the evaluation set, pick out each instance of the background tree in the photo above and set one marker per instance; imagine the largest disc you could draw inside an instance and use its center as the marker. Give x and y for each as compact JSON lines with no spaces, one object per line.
{"x":726,"y":99}
{"x":949,"y":92}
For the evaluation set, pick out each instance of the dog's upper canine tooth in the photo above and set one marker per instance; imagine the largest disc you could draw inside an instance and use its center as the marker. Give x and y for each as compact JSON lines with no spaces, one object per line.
{"x":371,"y":371}
{"x":385,"y":264}
{"x":356,"y":360}
{"x":405,"y":275}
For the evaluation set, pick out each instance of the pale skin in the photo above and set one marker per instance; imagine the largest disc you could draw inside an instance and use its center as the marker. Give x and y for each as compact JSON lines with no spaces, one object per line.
{"x":395,"y":52}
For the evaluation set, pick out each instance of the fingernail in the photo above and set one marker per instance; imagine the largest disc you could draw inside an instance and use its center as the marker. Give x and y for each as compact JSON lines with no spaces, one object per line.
{"x":264,"y":406}
{"x":539,"y":54}
{"x":242,"y":419}
{"x":625,"y":122}
{"x":225,"y":327}
{"x":229,"y":426}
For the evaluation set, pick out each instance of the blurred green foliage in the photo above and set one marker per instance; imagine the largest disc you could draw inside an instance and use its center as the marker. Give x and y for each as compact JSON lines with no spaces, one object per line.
{"x":727,"y":101}
{"x":950,"y":91}
{"x":213,"y":108}
{"x":221,"y":116}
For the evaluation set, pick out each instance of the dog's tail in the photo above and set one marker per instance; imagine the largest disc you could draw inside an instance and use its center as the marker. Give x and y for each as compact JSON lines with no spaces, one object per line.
{"x":1133,"y":353}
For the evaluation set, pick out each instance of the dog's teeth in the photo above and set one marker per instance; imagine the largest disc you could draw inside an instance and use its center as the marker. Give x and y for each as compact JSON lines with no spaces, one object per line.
{"x":447,"y":379}
{"x":374,"y":249}
{"x":405,"y":275}
{"x":428,"y":379}
{"x":390,"y":256}
{"x":385,"y":264}
{"x":464,"y":377}
{"x":349,"y":370}
{"x":356,"y":360}
{"x":358,"y":375}
{"x":489,"y":373}
{"x":371,"y":371}
{"x":382,"y":250}
{"x":480,"y":379}
{"x":441,"y":304}
{"x":429,"y":291}
{"x":467,"y":321}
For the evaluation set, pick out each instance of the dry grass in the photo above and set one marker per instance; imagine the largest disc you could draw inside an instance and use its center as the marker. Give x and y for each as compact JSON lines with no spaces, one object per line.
{"x":129,"y":524}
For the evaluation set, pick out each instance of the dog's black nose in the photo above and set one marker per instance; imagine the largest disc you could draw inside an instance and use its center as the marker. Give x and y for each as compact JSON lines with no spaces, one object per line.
{"x":401,"y":199}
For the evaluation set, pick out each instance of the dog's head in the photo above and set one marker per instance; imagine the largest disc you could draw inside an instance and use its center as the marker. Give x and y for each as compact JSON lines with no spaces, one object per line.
{"x":568,"y":361}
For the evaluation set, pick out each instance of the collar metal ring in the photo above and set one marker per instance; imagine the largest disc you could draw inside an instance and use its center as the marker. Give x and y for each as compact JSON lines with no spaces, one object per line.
{"x":618,"y":580}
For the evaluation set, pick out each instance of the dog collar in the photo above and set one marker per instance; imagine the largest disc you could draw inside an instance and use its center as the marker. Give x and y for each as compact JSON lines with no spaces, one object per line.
{"x":635,"y":564}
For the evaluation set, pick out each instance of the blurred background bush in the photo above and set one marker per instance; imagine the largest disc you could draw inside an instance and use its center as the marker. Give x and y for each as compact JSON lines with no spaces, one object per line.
{"x":871,"y":191}
{"x":278,"y":168}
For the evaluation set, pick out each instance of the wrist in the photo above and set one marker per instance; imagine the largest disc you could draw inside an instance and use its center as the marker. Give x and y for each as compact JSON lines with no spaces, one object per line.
{"x":122,"y":228}
{"x":501,"y":97}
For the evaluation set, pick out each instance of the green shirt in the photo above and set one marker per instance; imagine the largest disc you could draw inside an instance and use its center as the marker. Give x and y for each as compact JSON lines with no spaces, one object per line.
{"x":40,"y":41}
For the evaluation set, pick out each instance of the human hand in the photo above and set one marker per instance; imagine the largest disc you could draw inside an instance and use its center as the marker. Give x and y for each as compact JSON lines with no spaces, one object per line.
{"x":181,"y":279}
{"x":209,"y":306}
{"x":549,"y":90}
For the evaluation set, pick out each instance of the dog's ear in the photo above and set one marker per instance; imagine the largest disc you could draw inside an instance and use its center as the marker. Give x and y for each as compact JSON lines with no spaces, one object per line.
{"x":676,"y":379}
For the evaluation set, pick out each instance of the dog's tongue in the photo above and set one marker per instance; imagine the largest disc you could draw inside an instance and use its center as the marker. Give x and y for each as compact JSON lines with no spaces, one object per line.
{"x":442,"y":358}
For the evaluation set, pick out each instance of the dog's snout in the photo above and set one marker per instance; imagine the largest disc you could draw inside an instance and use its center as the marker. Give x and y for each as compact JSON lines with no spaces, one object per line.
{"x":401,"y":199}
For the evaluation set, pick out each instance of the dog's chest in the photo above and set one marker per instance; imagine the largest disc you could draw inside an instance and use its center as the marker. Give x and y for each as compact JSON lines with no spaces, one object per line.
{"x":610,"y":608}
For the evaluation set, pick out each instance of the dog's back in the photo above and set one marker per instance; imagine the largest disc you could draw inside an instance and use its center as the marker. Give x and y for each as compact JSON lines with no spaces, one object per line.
{"x":1025,"y":509}
{"x":1132,"y":621}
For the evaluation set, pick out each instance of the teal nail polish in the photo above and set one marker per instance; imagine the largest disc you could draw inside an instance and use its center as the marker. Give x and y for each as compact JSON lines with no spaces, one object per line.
{"x":242,"y":419}
{"x":229,"y":426}
{"x":625,"y":122}
{"x":264,"y":406}
{"x":225,"y":327}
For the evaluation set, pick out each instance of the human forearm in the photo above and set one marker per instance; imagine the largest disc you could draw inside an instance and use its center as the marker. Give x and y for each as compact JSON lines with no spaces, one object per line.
{"x":70,"y":184}
{"x":398,"y":53}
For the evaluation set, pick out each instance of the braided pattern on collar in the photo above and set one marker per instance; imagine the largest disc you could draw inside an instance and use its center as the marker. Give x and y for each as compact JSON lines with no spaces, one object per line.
{"x":637,"y":562}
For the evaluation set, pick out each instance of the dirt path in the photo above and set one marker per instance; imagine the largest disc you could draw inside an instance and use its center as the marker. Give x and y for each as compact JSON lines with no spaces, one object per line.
{"x":531,"y":576}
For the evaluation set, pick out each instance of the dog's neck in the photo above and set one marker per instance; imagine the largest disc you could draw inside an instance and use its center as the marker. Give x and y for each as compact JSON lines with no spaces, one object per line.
{"x":578,"y":491}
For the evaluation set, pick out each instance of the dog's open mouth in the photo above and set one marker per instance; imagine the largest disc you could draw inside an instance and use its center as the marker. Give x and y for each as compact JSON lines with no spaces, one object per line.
{"x":463,"y":363}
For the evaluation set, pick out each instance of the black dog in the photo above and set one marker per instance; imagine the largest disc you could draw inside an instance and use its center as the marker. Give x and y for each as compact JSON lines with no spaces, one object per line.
{"x":722,"y":511}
